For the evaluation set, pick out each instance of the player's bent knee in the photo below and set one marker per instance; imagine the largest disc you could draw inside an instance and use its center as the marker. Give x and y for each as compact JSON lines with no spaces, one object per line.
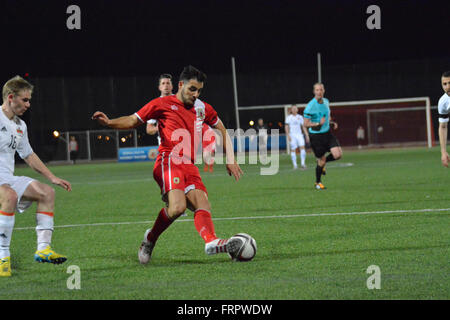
{"x":41,"y":192}
{"x":337,"y":154}
{"x":175,"y":210}
{"x":50,"y":194}
{"x":47,"y":194}
{"x":8,"y":197}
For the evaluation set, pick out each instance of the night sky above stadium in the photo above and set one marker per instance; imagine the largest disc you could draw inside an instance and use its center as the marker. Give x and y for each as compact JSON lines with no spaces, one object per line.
{"x":144,"y":37}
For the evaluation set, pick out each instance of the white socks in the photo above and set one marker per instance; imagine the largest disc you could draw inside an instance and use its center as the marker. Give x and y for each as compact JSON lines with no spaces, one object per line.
{"x":294,"y":159}
{"x":6,"y":227}
{"x":44,"y":229}
{"x":302,"y":156}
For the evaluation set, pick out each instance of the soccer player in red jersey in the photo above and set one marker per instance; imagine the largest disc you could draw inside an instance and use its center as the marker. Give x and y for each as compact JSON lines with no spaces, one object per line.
{"x":180,"y":118}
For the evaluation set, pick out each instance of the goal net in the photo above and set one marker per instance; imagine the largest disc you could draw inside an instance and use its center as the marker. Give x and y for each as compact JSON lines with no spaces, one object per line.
{"x":406,"y":126}
{"x":386,"y":122}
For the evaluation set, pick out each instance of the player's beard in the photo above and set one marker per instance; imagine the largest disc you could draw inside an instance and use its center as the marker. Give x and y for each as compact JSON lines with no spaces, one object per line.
{"x":187,"y":100}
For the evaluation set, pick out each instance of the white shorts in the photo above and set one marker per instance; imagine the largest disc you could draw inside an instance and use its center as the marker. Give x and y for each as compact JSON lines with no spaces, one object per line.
{"x":297,"y":140}
{"x":19,"y":184}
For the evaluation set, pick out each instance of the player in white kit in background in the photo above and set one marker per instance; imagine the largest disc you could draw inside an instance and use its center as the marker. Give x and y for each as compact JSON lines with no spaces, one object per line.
{"x":296,"y":135}
{"x":18,"y":192}
{"x":444,"y":112}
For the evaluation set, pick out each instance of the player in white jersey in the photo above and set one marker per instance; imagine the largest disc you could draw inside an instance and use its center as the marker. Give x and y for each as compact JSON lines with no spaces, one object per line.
{"x":165,"y":87}
{"x":296,"y":135}
{"x":444,"y":111}
{"x":18,"y":192}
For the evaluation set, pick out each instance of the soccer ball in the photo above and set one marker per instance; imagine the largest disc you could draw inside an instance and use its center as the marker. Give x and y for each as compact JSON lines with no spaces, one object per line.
{"x":248,"y":249}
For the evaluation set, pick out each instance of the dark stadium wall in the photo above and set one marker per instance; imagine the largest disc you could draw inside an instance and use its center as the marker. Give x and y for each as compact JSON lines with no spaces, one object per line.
{"x":67,"y":103}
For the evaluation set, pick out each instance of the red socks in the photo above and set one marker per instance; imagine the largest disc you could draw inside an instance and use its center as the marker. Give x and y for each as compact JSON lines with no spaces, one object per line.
{"x":202,"y":221}
{"x":204,"y":225}
{"x":162,"y":222}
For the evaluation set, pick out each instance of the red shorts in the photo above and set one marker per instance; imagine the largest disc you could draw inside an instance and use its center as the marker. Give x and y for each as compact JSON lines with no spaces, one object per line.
{"x":172,"y":175}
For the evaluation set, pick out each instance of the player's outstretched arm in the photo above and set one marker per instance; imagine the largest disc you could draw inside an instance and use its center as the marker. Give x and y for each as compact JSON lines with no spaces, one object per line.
{"x":445,"y":158}
{"x":233,"y":167}
{"x":37,"y":165}
{"x":125,"y":122}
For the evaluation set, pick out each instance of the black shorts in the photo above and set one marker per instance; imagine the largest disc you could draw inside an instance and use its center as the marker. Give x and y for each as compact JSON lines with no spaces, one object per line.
{"x":321,"y":143}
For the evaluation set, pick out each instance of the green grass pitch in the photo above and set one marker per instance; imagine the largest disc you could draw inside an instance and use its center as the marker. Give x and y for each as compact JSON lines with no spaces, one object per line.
{"x":388,"y":208}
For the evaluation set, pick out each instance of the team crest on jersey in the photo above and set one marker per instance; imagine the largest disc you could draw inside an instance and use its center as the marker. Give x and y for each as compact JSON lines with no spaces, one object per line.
{"x":174,"y":107}
{"x":176,"y":180}
{"x":20,"y":132}
{"x":199,"y":110}
{"x":200,"y":114}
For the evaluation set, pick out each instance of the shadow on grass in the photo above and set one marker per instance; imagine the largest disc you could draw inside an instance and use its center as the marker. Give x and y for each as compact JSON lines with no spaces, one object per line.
{"x":125,"y":261}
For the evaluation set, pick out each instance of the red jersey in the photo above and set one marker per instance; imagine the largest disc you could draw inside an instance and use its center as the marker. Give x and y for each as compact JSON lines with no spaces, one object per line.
{"x":180,"y":127}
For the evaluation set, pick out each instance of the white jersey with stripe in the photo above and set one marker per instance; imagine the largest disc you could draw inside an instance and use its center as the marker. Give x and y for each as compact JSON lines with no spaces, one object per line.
{"x":13,"y":137}
{"x":294,"y":123}
{"x":444,"y":108}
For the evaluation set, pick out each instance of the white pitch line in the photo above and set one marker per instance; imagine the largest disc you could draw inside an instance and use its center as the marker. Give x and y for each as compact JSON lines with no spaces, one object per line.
{"x":254,"y":217}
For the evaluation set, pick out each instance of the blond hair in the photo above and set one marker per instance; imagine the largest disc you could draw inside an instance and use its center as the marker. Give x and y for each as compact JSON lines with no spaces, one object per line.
{"x":318,"y":84}
{"x":14,"y":86}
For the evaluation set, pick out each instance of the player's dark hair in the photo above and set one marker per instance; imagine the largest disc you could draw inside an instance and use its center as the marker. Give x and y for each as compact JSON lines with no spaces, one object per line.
{"x":446,"y":74}
{"x":190,"y":73}
{"x":164,"y":76}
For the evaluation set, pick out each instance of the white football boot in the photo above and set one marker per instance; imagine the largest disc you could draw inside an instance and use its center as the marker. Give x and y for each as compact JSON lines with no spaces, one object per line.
{"x":230,"y":246}
{"x":145,"y":250}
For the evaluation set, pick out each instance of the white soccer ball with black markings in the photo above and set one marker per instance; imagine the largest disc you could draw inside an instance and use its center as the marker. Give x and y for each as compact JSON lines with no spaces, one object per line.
{"x":248,"y":249}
